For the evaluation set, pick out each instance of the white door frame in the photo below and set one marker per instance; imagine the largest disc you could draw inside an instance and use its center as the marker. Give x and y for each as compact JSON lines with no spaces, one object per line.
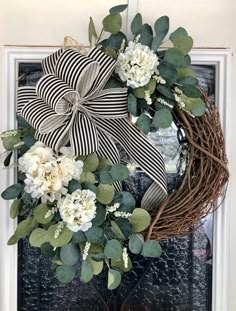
{"x":12,"y":56}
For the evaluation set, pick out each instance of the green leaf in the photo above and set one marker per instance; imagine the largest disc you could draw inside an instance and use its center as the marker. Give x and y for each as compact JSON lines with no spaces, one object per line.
{"x":111,"y":52}
{"x":162,"y":118}
{"x":8,"y":159}
{"x":151,"y":248}
{"x":188,"y":80}
{"x":118,"y":8}
{"x":174,"y":56}
{"x":47,"y":250}
{"x":92,"y":31}
{"x":119,"y":264}
{"x":86,"y":273}
{"x":167,"y":72}
{"x":10,"y":141}
{"x":114,"y":279}
{"x":105,"y":193}
{"x":87,"y":177}
{"x":106,"y":178}
{"x":12,"y":192}
{"x":165,"y":91}
{"x":15,"y":208}
{"x":199,"y":109}
{"x":91,"y":163}
{"x":119,"y":172}
{"x":112,"y":23}
{"x":23,"y":229}
{"x":126,"y":200}
{"x":94,"y":234}
{"x":100,"y":215}
{"x":115,"y":40}
{"x":38,"y":237}
{"x":136,"y":24}
{"x":70,"y":254}
{"x":187,"y":61}
{"x":103,"y":162}
{"x":162,"y":25}
{"x":183,"y":72}
{"x":116,"y":229}
{"x":65,"y":274}
{"x":132,"y":105}
{"x":183,"y":43}
{"x":97,"y":266}
{"x":113,"y":249}
{"x":177,"y":33}
{"x":73,"y":185}
{"x":22,"y":122}
{"x":146,"y":37}
{"x":140,"y":219}
{"x":156,"y":42}
{"x":78,"y":237}
{"x":98,"y":257}
{"x":90,"y":186}
{"x":136,"y":242}
{"x":125,"y":226}
{"x":63,"y":238}
{"x":29,"y":140}
{"x":144,"y":123}
{"x":191,"y":91}
{"x":39,"y":213}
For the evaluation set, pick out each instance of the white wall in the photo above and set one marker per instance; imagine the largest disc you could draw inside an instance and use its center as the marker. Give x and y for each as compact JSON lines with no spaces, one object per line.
{"x":212,"y":23}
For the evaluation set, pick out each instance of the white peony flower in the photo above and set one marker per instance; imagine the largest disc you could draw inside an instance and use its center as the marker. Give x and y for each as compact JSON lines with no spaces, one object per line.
{"x":78,"y":209}
{"x":137,"y":65}
{"x":48,"y":175}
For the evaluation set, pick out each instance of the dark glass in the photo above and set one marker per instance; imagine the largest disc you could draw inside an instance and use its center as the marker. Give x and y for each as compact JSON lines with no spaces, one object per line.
{"x":180,"y":280}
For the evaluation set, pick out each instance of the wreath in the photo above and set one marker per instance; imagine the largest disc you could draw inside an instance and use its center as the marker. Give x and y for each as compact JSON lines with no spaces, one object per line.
{"x":69,"y":189}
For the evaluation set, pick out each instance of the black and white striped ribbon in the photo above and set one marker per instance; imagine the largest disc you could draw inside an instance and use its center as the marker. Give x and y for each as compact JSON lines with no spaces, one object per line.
{"x":70,"y":105}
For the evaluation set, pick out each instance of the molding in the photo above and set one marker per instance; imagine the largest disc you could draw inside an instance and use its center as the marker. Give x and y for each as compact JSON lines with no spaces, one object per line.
{"x":12,"y":56}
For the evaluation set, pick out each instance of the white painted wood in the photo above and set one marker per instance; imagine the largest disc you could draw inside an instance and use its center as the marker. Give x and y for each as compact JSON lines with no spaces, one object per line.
{"x":132,"y":11}
{"x":221,"y":59}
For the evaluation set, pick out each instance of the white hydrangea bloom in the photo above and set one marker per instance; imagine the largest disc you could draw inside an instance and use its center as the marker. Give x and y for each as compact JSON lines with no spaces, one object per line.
{"x":78,"y":209}
{"x":48,"y":175}
{"x":136,"y":65}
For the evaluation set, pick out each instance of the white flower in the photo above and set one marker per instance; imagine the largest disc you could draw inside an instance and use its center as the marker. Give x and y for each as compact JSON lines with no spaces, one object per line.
{"x":122,"y":214}
{"x":164,"y":102}
{"x":113,"y":208}
{"x":136,"y":65}
{"x":47,"y":174}
{"x":159,"y":79}
{"x":125,"y":257}
{"x":78,"y":209}
{"x":59,"y":228}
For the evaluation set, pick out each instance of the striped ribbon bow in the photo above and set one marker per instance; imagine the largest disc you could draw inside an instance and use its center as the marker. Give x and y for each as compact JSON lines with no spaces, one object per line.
{"x":70,"y":105}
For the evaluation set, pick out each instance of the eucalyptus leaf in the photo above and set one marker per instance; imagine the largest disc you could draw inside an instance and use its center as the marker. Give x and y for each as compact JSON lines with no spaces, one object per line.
{"x":100,"y":215}
{"x":112,"y":23}
{"x":177,"y":33}
{"x":106,"y":178}
{"x":111,"y":52}
{"x":118,"y":8}
{"x":165,"y":91}
{"x":87,"y":177}
{"x":91,"y":163}
{"x":174,"y":56}
{"x":65,"y":274}
{"x":162,"y":118}
{"x":94,"y":234}
{"x":199,"y":109}
{"x":157,"y":41}
{"x":127,"y":202}
{"x":184,"y":72}
{"x":161,"y":25}
{"x":144,"y":123}
{"x":116,"y":229}
{"x":140,"y":219}
{"x":78,"y":237}
{"x":113,"y":249}
{"x":105,"y":193}
{"x":90,"y":186}
{"x":70,"y":254}
{"x":115,"y":40}
{"x":152,"y":249}
{"x":22,"y":122}
{"x":40,"y":212}
{"x":38,"y":237}
{"x":29,"y":140}
{"x":9,"y":141}
{"x":114,"y":279}
{"x":168,"y":72}
{"x":183,"y":43}
{"x":191,"y":91}
{"x":12,"y":192}
{"x":47,"y":250}
{"x":86,"y":273}
{"x":132,"y":105}
{"x":136,"y":24}
{"x":15,"y":208}
{"x":125,"y":226}
{"x":63,"y":238}
{"x":136,"y":242}
{"x":146,"y":37}
{"x":97,"y":265}
{"x":188,"y":80}
{"x":73,"y":185}
{"x":119,"y":264}
{"x":119,"y":172}
{"x":8,"y":159}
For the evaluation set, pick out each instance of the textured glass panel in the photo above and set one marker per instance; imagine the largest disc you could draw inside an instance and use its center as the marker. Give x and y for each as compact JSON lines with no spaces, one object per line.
{"x":177,"y":281}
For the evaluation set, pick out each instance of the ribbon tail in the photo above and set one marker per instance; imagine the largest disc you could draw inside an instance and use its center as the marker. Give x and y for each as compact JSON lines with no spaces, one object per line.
{"x":107,"y":149}
{"x":141,"y":150}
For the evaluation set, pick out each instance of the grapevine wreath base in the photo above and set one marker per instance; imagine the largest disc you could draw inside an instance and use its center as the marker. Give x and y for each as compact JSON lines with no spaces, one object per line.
{"x":204,"y":179}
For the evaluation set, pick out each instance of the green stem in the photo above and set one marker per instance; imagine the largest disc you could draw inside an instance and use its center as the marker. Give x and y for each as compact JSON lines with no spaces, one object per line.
{"x":99,"y":37}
